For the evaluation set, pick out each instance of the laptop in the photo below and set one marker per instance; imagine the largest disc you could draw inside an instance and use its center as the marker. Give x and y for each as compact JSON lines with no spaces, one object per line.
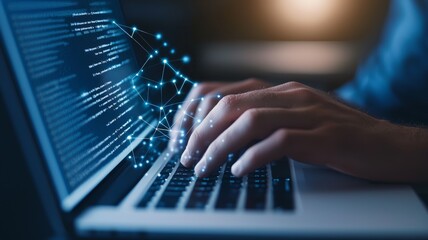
{"x":103,"y":170}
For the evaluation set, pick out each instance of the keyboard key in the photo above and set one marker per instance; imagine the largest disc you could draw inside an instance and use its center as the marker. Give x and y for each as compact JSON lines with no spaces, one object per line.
{"x":256,"y":190}
{"x":230,"y":189}
{"x":175,"y":188}
{"x":282,"y":185}
{"x":156,"y":185}
{"x":201,"y":192}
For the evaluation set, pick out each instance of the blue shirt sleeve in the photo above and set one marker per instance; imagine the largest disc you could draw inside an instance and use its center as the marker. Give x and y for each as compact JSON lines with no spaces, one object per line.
{"x":393,"y":82}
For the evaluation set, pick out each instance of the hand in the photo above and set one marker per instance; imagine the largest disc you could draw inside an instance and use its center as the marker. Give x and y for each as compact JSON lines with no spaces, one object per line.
{"x":309,"y":126}
{"x":202,"y":99}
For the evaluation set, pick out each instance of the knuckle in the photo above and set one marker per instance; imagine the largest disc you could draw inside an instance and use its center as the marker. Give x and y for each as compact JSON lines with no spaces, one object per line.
{"x":284,"y":137}
{"x":228,"y":101}
{"x":306,"y":94}
{"x":294,"y":84}
{"x":252,"y":117}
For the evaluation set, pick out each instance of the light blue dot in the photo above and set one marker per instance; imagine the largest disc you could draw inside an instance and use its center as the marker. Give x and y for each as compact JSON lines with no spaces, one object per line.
{"x":186,"y":59}
{"x":158,"y":36}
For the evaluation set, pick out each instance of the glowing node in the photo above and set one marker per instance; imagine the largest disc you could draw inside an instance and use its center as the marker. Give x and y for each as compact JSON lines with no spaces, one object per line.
{"x":134,"y":29}
{"x":135,"y":166}
{"x":185,"y":59}
{"x":173,"y":80}
{"x":199,"y":121}
{"x":129,"y":138}
{"x":151,"y":56}
{"x":129,"y":157}
{"x":195,"y":84}
{"x":172,"y":51}
{"x":218,"y":96}
{"x":114,"y":22}
{"x":140,"y":164}
{"x":156,"y":51}
{"x":140,"y":117}
{"x":165,"y":44}
{"x":161,"y":108}
{"x":158,"y":36}
{"x":178,"y":92}
{"x":164,"y":61}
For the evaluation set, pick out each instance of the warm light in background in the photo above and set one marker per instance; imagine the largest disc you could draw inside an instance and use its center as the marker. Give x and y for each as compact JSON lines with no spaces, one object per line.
{"x":305,"y":16}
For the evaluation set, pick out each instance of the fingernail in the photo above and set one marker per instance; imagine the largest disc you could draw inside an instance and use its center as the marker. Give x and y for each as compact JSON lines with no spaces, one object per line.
{"x":201,"y":169}
{"x":185,"y":158}
{"x":237,"y":169}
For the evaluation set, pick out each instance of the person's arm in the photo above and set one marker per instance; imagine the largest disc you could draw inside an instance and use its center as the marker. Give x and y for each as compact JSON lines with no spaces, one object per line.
{"x":309,"y":126}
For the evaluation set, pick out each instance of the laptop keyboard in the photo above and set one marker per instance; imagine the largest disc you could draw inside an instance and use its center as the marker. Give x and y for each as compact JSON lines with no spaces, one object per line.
{"x":176,"y":186}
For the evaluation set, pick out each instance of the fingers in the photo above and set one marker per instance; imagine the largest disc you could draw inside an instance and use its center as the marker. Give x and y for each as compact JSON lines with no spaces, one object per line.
{"x":281,"y":143}
{"x":229,"y":109}
{"x":183,"y":119}
{"x":262,"y":122}
{"x":212,"y":98}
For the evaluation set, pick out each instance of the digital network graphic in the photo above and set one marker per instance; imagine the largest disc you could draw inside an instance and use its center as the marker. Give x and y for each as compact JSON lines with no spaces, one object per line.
{"x":160,"y":85}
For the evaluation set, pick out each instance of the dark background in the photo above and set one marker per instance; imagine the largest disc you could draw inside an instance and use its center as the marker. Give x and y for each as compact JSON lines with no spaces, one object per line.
{"x":224,"y":39}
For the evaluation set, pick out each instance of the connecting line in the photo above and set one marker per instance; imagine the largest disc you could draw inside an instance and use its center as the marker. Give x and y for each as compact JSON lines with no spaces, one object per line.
{"x":131,"y":37}
{"x":163,"y":128}
{"x":161,"y":82}
{"x":145,"y":39}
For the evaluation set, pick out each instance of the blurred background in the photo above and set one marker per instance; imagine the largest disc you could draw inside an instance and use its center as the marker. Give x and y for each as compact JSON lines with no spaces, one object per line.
{"x":318,"y":42}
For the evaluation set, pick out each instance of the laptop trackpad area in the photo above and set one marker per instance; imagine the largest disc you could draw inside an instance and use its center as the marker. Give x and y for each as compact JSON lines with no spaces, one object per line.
{"x":324,"y":191}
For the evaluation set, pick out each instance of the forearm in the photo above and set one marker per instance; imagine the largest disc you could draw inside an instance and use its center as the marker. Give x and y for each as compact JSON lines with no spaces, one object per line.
{"x":391,"y":153}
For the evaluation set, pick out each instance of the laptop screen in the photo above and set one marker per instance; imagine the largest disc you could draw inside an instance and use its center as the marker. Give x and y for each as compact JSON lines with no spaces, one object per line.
{"x":74,"y":68}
